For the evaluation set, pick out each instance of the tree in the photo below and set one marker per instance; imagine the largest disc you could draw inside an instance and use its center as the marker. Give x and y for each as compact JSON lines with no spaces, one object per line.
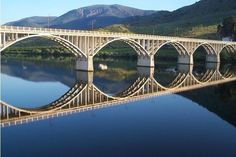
{"x":228,"y":27}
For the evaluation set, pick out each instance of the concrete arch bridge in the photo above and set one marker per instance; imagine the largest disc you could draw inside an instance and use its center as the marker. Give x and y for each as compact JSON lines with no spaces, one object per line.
{"x":84,"y":45}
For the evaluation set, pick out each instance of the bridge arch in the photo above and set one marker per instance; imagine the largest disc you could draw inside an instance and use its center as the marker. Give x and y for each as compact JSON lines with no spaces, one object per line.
{"x":229,"y":48}
{"x":65,"y":43}
{"x":177,"y":45}
{"x":208,"y":48}
{"x":227,"y":52}
{"x":132,"y":43}
{"x":210,"y":54}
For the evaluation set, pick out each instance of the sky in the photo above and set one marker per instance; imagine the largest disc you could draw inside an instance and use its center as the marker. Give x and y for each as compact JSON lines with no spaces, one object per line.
{"x":12,"y":10}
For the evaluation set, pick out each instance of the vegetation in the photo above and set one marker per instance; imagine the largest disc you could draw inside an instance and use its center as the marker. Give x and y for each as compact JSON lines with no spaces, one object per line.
{"x":228,"y":28}
{"x":199,"y":20}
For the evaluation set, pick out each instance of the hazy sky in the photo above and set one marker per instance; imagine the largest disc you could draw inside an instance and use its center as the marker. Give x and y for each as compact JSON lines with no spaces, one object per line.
{"x":12,"y":10}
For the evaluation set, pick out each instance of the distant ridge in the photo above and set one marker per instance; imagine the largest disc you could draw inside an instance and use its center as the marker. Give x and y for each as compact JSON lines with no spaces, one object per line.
{"x":34,"y":21}
{"x":95,"y":16}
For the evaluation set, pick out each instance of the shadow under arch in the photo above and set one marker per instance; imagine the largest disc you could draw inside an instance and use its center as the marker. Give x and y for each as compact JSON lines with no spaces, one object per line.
{"x":65,"y":43}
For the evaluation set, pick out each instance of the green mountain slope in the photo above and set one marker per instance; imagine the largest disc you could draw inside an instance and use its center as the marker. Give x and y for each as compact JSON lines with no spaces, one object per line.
{"x":197,"y":20}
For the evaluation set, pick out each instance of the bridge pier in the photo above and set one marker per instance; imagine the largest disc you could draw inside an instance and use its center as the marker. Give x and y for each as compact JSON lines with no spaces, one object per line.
{"x":212,"y":58}
{"x":184,"y":68}
{"x":84,"y":64}
{"x":84,"y":77}
{"x":146,"y":61}
{"x":185,"y":59}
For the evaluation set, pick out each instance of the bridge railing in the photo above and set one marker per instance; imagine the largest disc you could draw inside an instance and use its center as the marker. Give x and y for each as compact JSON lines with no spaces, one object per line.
{"x":132,"y":35}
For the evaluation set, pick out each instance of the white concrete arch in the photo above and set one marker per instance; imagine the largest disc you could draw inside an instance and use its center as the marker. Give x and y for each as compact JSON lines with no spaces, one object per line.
{"x":229,"y":48}
{"x":133,"y":44}
{"x":74,"y":49}
{"x":177,"y":45}
{"x":208,"y":48}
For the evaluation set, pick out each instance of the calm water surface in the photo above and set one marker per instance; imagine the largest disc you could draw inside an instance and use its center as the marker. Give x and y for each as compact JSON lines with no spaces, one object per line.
{"x":194,"y":123}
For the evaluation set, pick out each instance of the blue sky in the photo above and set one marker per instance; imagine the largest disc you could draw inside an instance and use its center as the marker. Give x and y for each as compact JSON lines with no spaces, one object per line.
{"x":12,"y":10}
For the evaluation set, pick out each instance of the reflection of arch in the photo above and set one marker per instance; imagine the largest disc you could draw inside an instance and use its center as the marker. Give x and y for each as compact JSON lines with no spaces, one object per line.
{"x":78,"y":87}
{"x":178,"y":46}
{"x":229,"y":48}
{"x":207,"y":76}
{"x":70,"y":46}
{"x":133,"y":88}
{"x":86,"y":95}
{"x":208,"y":48}
{"x":176,"y":83}
{"x":226,"y":72}
{"x":135,"y":45}
{"x":79,"y":93}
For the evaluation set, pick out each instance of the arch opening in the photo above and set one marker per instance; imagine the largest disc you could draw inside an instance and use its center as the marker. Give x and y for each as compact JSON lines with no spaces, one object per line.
{"x":39,"y":63}
{"x":205,"y":53}
{"x":115,"y":66}
{"x":228,"y":54}
{"x":49,"y":41}
{"x":167,"y":70}
{"x":203,"y":69}
{"x":136,"y":47}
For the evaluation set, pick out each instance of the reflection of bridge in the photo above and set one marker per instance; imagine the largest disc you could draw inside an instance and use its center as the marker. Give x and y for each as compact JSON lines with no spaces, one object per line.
{"x":85,"y":95}
{"x":86,"y":44}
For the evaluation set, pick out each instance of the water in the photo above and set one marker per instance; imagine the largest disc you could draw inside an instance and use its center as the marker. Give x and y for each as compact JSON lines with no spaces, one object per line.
{"x":194,"y":123}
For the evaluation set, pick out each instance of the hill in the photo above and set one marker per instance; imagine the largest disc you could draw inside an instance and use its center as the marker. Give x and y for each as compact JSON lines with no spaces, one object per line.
{"x":197,"y":20}
{"x":95,"y":16}
{"x":34,"y":21}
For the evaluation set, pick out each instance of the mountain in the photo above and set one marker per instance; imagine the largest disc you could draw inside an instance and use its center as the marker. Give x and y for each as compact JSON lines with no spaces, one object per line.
{"x":202,"y":12}
{"x":95,"y":16}
{"x":192,"y":21}
{"x":198,"y":20}
{"x":35,"y":21}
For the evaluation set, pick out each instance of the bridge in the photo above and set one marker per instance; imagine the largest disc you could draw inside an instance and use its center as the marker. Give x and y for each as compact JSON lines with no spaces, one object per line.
{"x":84,"y":45}
{"x":84,"y":95}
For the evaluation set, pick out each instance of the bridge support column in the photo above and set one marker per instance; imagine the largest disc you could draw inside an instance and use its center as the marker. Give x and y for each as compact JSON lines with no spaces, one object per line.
{"x":184,"y":68}
{"x":84,"y":64}
{"x":146,"y":61}
{"x":84,"y":77}
{"x":212,"y":58}
{"x":185,"y":59}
